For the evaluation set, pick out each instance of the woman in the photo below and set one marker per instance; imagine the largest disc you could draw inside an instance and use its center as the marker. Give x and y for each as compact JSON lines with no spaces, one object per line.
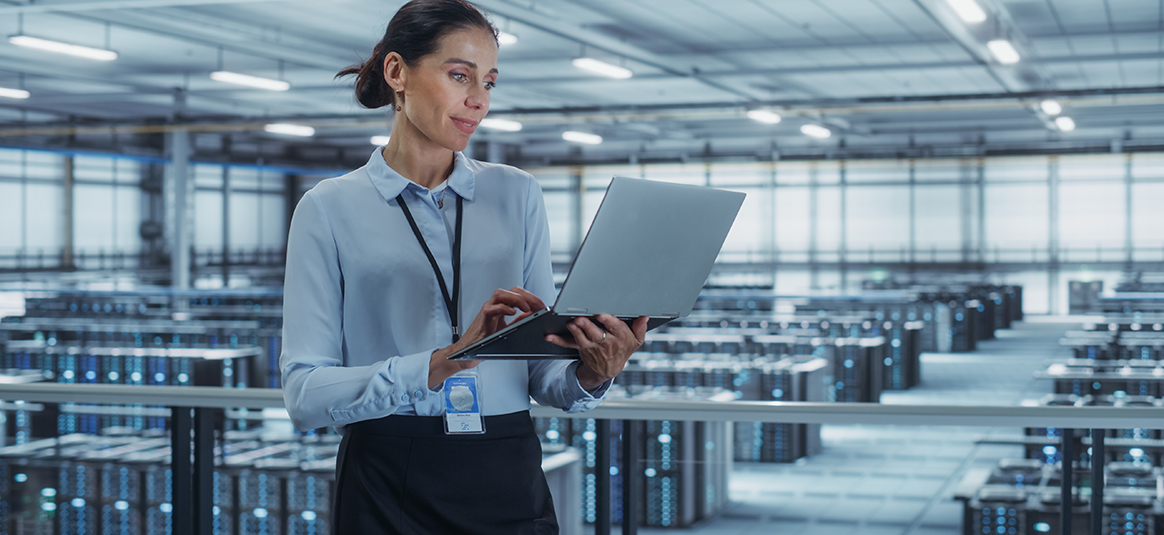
{"x":369,"y":317}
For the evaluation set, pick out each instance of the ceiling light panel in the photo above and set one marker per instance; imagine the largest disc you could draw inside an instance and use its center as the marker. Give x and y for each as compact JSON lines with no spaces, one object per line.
{"x":13,"y":93}
{"x":504,"y":125}
{"x":290,"y":129}
{"x":764,"y":116}
{"x":817,"y":131}
{"x":582,"y":137}
{"x":1003,"y":51}
{"x":48,"y":45}
{"x":968,"y":10}
{"x":249,"y":81}
{"x":603,"y":68}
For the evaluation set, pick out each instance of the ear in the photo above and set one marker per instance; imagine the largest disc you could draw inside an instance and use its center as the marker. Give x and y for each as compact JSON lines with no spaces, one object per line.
{"x":394,"y":68}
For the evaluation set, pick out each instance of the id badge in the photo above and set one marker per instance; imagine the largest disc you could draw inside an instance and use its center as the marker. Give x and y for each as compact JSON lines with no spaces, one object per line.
{"x":463,"y":405}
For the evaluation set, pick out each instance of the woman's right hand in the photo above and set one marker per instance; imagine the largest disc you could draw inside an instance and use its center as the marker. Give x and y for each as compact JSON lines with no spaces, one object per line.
{"x":489,"y":320}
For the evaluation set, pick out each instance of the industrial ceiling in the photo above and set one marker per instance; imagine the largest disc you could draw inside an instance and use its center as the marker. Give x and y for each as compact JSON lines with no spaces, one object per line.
{"x":881,"y":77}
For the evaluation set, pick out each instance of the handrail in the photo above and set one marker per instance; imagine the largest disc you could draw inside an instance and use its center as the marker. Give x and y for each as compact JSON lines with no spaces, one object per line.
{"x":644,"y":409}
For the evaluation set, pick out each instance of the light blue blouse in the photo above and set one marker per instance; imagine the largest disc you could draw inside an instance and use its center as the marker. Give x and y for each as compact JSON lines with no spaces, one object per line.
{"x":362,"y":311}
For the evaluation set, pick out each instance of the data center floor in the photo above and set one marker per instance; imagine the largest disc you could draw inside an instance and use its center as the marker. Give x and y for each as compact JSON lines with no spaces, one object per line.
{"x":881,"y":480}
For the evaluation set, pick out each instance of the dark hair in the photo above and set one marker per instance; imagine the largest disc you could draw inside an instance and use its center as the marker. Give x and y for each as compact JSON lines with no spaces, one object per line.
{"x":414,"y":32}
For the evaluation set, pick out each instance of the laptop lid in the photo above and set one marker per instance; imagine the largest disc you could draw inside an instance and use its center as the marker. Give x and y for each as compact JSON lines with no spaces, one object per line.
{"x":649,"y":250}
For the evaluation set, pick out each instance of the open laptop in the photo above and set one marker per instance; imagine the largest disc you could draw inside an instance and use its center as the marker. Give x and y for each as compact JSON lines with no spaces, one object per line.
{"x":647,"y":253}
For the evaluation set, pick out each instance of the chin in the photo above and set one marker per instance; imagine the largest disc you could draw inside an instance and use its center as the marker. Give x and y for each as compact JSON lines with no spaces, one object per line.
{"x":457,"y":145}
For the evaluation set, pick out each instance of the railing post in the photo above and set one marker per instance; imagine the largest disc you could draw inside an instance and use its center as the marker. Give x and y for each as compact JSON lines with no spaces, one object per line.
{"x":631,"y":476}
{"x":602,"y":477}
{"x":1097,"y":460}
{"x":203,"y":484}
{"x":183,"y":506}
{"x":1066,"y":503}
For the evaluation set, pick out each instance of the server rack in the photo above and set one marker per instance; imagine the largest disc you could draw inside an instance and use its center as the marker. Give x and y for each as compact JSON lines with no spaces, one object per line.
{"x":1023,"y":498}
{"x":685,"y":465}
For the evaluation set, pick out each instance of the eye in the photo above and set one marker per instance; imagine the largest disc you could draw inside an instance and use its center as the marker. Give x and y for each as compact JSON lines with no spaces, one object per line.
{"x":490,"y":85}
{"x":458,"y":76}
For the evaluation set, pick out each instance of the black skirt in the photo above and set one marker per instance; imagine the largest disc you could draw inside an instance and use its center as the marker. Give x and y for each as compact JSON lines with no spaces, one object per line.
{"x":404,"y":475}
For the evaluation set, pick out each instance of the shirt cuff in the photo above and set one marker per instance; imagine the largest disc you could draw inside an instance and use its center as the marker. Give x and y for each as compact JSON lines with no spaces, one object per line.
{"x":410,"y":374}
{"x":583,"y":399}
{"x":407,"y":383}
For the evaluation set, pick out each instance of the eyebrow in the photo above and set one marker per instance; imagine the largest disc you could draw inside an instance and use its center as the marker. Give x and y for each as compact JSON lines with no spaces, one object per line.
{"x":468,"y":63}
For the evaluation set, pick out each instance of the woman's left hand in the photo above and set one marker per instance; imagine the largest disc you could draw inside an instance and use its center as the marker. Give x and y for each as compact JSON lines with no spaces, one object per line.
{"x":603,"y":352}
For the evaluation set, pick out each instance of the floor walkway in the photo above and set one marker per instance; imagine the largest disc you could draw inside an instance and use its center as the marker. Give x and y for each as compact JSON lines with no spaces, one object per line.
{"x":881,"y":480}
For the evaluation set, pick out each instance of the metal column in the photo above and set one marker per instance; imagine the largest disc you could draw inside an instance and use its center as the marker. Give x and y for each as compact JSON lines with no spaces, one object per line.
{"x":1053,"y":234}
{"x":69,"y":211}
{"x":181,"y":471}
{"x":813,"y":196}
{"x":773,"y":244}
{"x":912,"y":214}
{"x":844,"y":245}
{"x":203,"y":480}
{"x":602,"y":477}
{"x":981,"y":183}
{"x":578,"y":192}
{"x":495,"y":152}
{"x":1097,"y":480}
{"x":632,"y":476}
{"x":1129,"y":243}
{"x":1066,"y":485}
{"x":226,"y":226}
{"x":180,"y":236}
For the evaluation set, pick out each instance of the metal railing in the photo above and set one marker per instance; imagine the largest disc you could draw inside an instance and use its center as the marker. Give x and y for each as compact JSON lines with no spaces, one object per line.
{"x":192,"y":413}
{"x":100,"y":259}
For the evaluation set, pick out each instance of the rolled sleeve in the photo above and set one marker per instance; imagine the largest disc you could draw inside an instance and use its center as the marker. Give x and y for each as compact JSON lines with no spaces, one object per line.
{"x":318,"y":389}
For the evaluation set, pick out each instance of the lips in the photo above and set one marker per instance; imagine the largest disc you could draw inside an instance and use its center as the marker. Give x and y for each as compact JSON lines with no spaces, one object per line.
{"x":467,"y":126}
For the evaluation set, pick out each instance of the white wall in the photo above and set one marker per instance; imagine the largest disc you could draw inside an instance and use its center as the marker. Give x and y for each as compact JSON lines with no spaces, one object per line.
{"x":1016,"y":195}
{"x":108,"y":203}
{"x":257,"y":208}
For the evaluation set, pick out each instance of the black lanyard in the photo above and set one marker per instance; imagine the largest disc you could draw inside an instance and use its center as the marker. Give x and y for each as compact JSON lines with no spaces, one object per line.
{"x":450,"y":301}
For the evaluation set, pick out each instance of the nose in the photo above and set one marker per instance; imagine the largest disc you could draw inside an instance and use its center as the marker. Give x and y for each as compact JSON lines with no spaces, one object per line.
{"x":478,"y":98}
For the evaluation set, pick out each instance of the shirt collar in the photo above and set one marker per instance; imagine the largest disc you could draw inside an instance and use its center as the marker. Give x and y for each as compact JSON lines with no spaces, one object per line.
{"x":390,"y":183}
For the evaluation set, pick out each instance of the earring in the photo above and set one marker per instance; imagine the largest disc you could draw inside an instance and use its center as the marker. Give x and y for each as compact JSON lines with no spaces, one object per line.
{"x":399,"y":97}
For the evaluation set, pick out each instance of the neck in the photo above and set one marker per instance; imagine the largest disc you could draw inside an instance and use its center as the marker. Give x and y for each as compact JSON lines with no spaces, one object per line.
{"x":415,"y":157}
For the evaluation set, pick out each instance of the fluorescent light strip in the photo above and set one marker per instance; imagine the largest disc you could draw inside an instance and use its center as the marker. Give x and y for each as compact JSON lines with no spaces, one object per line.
{"x":506,"y":39}
{"x":1003,"y":51}
{"x":968,"y":10}
{"x":250,"y":81}
{"x":1050,"y":107}
{"x":1065,"y":124}
{"x":581,"y":137}
{"x":290,"y":129}
{"x":13,"y":93}
{"x":764,"y":116}
{"x":501,"y":124}
{"x":602,"y":68}
{"x":816,"y":131}
{"x":47,"y":45}
{"x":379,"y":141}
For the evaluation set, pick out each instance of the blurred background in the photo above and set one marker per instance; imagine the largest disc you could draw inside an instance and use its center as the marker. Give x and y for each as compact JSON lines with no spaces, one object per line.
{"x":968,"y":186}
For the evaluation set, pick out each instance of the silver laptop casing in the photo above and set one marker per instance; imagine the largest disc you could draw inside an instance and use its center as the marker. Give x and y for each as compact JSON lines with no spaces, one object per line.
{"x":648,"y":252}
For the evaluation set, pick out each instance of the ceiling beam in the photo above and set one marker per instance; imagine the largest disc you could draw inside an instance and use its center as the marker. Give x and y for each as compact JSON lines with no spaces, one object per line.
{"x":1108,"y":99}
{"x":973,"y":42}
{"x":97,"y":5}
{"x":565,"y":30}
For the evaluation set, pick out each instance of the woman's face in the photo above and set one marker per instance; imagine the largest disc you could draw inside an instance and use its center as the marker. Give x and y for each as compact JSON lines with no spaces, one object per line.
{"x":446,"y":94}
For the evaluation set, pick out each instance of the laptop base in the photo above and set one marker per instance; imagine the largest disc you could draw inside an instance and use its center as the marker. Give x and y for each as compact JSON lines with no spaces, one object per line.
{"x":527,"y":342}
